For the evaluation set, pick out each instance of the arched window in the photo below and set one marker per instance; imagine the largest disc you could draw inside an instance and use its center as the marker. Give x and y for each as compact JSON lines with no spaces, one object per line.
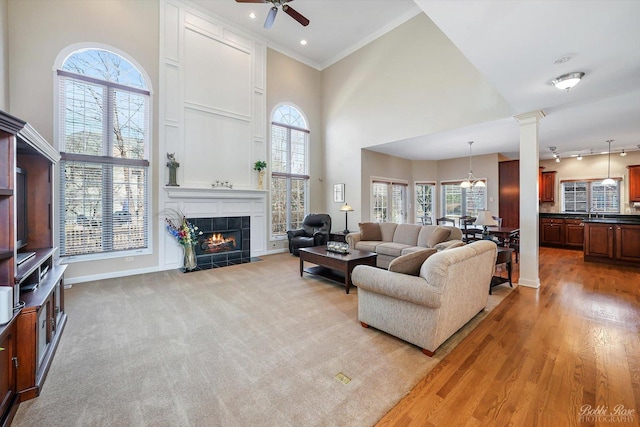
{"x":289,"y":169}
{"x":103,"y":138}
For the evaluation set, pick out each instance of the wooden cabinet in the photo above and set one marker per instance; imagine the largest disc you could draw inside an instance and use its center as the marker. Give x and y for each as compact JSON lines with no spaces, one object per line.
{"x":40,"y":322}
{"x":634,"y":183}
{"x":598,"y":240}
{"x":8,"y":362}
{"x":27,"y":262}
{"x":548,"y":187}
{"x":627,"y":243}
{"x":552,"y":231}
{"x":574,"y":233}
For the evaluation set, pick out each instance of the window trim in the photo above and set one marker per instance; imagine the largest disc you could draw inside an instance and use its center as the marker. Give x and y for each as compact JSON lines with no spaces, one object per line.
{"x":390,"y":182}
{"x":59,"y":61}
{"x":590,"y":182}
{"x":458,"y":182}
{"x":434,"y":196}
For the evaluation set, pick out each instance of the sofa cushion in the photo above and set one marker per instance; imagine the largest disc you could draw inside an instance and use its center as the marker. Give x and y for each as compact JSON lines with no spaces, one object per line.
{"x":390,"y":248}
{"x":367,"y":245}
{"x":438,"y":235}
{"x":370,"y":231}
{"x":407,"y":234}
{"x":411,"y":262}
{"x":388,"y":229}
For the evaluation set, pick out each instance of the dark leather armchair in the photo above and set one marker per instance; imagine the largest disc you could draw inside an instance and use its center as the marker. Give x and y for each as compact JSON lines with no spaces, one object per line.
{"x":314,"y":232}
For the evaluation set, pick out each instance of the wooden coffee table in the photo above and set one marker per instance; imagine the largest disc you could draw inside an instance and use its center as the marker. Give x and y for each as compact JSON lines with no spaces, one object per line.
{"x":334,"y":266}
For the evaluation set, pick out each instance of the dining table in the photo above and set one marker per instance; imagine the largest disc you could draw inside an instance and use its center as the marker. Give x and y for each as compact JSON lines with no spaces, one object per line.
{"x":502,"y":233}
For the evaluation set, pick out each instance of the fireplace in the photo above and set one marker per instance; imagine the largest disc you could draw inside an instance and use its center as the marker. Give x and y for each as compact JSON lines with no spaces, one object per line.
{"x":224,"y":241}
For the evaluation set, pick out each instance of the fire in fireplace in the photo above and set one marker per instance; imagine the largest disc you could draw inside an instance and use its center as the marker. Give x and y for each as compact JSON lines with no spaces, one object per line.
{"x":216,"y":242}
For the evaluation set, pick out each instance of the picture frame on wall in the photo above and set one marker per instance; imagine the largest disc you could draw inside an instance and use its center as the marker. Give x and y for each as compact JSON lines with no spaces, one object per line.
{"x":338,"y":193}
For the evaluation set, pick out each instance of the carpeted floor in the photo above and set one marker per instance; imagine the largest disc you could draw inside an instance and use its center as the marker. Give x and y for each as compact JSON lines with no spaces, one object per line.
{"x":246,"y":345}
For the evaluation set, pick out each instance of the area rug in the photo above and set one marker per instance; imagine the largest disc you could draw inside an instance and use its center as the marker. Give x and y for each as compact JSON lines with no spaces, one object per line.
{"x":247,"y":345}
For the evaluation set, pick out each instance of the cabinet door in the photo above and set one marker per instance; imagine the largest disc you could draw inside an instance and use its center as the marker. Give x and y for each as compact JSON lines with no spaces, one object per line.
{"x":628,"y":242}
{"x":634,"y":183}
{"x":552,"y":231}
{"x":7,"y":367}
{"x":574,"y":233}
{"x":548,"y":187}
{"x":599,"y":240}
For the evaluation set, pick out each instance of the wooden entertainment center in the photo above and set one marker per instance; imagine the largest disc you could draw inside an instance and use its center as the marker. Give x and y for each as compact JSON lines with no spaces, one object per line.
{"x":28,"y":264}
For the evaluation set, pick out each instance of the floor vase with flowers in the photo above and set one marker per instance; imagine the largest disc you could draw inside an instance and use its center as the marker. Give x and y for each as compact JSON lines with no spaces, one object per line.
{"x":186,"y":234}
{"x":190,"y":262}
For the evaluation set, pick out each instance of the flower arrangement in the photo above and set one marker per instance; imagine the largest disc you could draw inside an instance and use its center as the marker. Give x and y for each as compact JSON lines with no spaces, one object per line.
{"x":260,"y":165}
{"x":185,"y":233}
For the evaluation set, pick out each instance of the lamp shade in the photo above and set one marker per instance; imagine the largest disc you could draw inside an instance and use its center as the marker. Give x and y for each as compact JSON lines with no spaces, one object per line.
{"x":346,"y":208}
{"x":485,"y":218}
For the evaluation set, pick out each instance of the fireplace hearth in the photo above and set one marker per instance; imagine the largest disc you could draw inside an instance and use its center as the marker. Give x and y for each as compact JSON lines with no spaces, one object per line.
{"x":224,"y":241}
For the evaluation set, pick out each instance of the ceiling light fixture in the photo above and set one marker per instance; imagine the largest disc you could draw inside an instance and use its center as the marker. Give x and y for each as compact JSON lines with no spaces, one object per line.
{"x":609,"y":182}
{"x":303,"y":42}
{"x":556,"y":155}
{"x":252,"y":15}
{"x":567,"y":81}
{"x":471,"y":180}
{"x":579,"y":157}
{"x":623,"y":153}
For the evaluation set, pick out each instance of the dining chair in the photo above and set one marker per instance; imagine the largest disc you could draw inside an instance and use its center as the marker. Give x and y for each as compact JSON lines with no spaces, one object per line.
{"x":444,"y":220}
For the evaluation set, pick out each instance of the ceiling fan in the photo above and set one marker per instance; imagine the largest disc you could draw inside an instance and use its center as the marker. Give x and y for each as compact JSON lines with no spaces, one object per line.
{"x":274,"y":10}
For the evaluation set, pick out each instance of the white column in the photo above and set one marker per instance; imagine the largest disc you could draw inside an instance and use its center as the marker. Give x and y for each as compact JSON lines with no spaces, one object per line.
{"x":529,"y":203}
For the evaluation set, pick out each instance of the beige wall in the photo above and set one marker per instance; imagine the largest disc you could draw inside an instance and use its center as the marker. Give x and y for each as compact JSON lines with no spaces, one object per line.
{"x":38,"y":31}
{"x":593,"y":167}
{"x":411,"y":81}
{"x":4,"y":58}
{"x":292,"y":82}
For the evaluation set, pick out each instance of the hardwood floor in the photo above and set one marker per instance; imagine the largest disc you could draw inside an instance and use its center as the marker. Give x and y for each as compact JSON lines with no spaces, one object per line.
{"x":544,"y":357}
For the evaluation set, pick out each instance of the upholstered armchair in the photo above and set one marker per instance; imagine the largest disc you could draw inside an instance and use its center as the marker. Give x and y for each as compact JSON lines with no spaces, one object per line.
{"x":314,"y":232}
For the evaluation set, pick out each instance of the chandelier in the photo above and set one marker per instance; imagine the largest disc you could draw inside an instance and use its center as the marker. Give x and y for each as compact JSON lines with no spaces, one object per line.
{"x":471,"y":180}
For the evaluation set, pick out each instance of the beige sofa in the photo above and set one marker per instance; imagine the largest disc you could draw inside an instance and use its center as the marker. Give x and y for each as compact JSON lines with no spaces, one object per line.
{"x":390,"y":240}
{"x":425,"y":310}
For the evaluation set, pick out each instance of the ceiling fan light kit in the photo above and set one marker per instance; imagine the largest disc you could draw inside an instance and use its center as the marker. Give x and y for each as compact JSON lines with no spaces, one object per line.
{"x":271,"y":17}
{"x":567,"y":81}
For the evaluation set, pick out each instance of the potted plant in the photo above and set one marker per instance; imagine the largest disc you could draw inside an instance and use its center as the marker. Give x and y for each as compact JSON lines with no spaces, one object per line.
{"x":260,"y":166}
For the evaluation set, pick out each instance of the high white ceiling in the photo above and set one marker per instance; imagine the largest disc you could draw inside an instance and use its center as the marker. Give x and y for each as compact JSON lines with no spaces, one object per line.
{"x":513,"y":43}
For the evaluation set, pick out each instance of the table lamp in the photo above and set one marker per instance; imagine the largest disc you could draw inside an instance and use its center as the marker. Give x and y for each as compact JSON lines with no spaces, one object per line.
{"x":485,"y":219}
{"x":346,"y":209}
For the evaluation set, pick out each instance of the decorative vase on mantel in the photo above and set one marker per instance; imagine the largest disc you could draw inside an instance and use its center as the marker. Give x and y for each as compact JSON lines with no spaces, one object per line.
{"x":261,"y":180}
{"x":190,"y":262}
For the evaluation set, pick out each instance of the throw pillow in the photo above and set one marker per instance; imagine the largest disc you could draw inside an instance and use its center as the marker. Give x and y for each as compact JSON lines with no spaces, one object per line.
{"x":438,"y":235}
{"x":411,"y":262}
{"x":370,"y":231}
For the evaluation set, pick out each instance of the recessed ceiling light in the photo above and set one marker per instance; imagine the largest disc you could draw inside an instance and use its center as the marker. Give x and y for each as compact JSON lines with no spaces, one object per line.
{"x":303,"y":42}
{"x":252,"y":15}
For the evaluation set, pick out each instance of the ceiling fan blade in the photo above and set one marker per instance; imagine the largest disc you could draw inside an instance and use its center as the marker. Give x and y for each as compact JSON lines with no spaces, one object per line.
{"x":295,"y":15}
{"x":251,"y":1}
{"x":270,"y":17}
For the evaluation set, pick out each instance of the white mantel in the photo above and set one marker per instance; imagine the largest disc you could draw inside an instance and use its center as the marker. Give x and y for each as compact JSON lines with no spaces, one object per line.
{"x":199,"y":202}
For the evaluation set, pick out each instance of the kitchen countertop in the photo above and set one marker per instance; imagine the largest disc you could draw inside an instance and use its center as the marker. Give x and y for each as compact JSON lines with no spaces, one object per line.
{"x":607,"y":219}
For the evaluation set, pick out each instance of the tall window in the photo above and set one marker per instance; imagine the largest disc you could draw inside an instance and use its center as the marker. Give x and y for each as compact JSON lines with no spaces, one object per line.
{"x":388,"y":201}
{"x":103,"y":116}
{"x":458,"y":201}
{"x":289,"y":170}
{"x":590,"y":196}
{"x":424,"y":202}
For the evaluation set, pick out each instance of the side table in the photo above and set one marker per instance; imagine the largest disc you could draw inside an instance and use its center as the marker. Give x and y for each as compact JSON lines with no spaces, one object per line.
{"x":504,"y":257}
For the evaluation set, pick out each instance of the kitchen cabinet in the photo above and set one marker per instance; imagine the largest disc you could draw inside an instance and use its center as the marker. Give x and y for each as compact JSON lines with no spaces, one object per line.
{"x":574,"y":233}
{"x":627,"y":242}
{"x":552,"y":232}
{"x":548,"y":187}
{"x":634,"y":183}
{"x":612,"y":243}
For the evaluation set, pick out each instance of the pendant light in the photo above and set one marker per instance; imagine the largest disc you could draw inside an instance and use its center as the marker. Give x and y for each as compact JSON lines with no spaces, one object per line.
{"x":471,"y":180}
{"x":609,"y":182}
